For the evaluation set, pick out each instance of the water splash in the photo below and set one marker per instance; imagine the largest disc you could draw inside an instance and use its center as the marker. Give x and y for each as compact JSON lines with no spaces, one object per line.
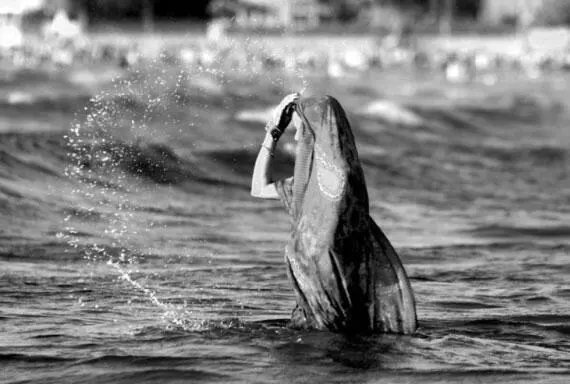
{"x":174,"y":315}
{"x":109,"y":141}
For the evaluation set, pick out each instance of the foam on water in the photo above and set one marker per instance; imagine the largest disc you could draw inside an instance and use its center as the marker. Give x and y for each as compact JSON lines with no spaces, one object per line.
{"x":391,"y":112}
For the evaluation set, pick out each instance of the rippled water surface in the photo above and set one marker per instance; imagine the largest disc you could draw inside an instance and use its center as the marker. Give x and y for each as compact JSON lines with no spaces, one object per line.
{"x":131,"y":251}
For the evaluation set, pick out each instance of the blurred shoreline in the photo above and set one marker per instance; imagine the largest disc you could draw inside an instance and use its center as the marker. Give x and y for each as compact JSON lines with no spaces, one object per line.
{"x":460,"y":58}
{"x":179,"y":36}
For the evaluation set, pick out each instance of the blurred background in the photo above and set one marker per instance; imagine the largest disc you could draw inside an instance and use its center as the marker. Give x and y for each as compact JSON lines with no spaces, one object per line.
{"x":431,"y":15}
{"x":132,"y":251}
{"x":537,"y":25}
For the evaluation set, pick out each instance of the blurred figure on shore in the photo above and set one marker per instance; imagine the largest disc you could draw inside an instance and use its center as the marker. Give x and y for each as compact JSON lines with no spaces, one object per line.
{"x":11,"y":35}
{"x":217,"y":30}
{"x":62,"y":29}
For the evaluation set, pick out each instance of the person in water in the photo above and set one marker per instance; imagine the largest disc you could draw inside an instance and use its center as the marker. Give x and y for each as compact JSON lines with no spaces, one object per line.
{"x":346,"y":275}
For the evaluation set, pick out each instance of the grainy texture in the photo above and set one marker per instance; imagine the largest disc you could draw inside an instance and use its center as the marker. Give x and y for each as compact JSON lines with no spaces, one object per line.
{"x":148,"y":260}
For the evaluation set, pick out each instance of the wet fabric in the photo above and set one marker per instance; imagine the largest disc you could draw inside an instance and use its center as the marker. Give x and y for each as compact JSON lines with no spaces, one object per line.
{"x":345,"y":273}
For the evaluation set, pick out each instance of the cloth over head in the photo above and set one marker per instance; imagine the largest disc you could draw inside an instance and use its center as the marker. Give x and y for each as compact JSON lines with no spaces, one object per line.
{"x":345,"y":273}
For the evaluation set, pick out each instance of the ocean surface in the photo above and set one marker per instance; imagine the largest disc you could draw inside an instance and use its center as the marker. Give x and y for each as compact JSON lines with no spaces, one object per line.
{"x":132,"y":252}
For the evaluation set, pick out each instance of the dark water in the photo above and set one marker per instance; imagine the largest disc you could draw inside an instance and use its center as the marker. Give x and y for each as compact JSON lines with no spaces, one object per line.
{"x":131,"y":251}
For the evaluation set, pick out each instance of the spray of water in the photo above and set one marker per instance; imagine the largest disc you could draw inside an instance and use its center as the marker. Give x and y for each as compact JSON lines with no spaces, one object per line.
{"x":108,"y":137}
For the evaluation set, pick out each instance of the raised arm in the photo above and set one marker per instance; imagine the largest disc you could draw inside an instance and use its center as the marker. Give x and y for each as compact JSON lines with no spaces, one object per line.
{"x":261,"y":182}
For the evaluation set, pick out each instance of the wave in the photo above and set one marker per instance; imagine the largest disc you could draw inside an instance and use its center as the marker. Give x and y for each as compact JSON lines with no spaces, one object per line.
{"x":546,"y":155}
{"x":503,"y":231}
{"x":555,"y":325}
{"x":154,"y":162}
{"x":21,"y":102}
{"x":199,"y":133}
{"x":34,"y":155}
{"x":391,"y":113}
{"x":238,"y":163}
{"x":24,"y":358}
{"x":127,"y":375}
{"x":132,"y":144}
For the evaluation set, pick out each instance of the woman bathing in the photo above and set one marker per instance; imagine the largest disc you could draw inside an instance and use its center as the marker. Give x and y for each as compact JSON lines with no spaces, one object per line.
{"x":345,"y":273}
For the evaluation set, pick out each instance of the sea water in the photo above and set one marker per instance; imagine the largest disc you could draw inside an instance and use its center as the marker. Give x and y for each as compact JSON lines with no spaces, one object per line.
{"x":132,"y":252}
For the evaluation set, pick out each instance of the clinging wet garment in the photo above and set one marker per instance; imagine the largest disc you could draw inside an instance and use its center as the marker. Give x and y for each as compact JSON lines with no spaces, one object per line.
{"x":345,"y":273}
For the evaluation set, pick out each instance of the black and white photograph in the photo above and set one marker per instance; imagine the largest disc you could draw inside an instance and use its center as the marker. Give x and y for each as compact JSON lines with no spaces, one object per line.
{"x":284,"y":191}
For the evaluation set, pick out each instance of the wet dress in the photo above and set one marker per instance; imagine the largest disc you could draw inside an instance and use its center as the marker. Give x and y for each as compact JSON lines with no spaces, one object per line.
{"x":346,"y":275}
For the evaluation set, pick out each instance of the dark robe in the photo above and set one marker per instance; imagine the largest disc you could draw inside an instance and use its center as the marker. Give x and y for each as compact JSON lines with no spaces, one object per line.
{"x":346,"y":275}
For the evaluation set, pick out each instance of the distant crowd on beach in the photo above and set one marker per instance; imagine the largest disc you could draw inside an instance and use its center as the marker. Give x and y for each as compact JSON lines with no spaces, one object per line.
{"x":65,"y":44}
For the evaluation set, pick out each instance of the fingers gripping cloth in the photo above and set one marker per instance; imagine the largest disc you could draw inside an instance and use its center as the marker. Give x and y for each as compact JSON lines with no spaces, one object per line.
{"x":285,"y":118}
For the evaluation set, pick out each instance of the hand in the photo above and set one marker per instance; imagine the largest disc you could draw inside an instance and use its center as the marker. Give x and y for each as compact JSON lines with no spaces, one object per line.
{"x":282,"y":115}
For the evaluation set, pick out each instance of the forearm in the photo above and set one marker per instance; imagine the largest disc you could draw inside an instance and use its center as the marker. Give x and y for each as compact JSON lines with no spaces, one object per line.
{"x":261,"y":181}
{"x":262,"y":170}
